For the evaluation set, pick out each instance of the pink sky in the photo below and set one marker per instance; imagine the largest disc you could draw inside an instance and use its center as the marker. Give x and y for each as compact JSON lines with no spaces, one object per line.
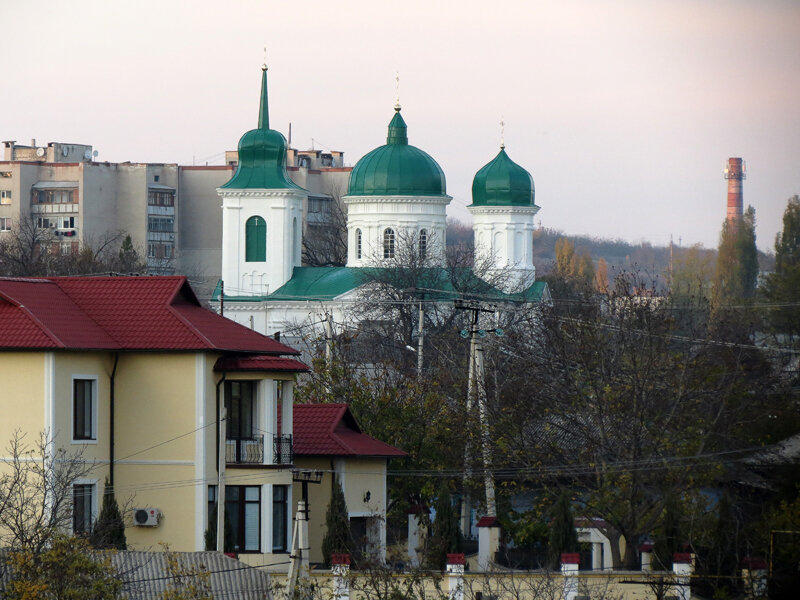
{"x":623,"y":111}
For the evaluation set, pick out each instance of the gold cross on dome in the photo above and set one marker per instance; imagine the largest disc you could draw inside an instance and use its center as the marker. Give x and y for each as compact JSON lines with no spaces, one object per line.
{"x":502,"y":132}
{"x":264,"y":64}
{"x":397,"y":90}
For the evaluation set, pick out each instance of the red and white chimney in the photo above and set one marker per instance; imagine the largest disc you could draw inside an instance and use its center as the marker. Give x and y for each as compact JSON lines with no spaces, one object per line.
{"x":735,"y":173}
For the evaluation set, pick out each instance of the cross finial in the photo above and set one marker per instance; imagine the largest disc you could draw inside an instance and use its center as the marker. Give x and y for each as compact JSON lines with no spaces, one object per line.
{"x":264,"y":64}
{"x":397,"y":90}
{"x":502,"y":133}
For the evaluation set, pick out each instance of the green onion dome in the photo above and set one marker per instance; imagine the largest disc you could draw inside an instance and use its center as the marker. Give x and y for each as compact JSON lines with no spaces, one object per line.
{"x":262,"y":153}
{"x":502,"y":182}
{"x":397,"y":168}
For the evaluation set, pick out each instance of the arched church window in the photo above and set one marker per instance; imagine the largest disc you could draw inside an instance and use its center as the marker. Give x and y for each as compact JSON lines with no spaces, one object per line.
{"x":358,"y":244}
{"x":423,"y":243}
{"x":255,"y":240}
{"x":388,"y":243}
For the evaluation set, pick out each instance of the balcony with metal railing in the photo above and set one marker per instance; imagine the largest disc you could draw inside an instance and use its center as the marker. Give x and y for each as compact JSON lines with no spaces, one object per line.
{"x":283,"y":450}
{"x":245,"y":451}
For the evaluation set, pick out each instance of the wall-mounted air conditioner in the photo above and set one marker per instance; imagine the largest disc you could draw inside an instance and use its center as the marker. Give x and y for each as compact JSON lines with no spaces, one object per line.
{"x":146,"y":517}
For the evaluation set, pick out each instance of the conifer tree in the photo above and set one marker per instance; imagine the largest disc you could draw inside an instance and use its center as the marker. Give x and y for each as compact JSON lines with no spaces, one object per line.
{"x":563,"y":537}
{"x":737,"y":260}
{"x":446,"y":537}
{"x":109,"y":530}
{"x":782,"y":288}
{"x":338,"y":538}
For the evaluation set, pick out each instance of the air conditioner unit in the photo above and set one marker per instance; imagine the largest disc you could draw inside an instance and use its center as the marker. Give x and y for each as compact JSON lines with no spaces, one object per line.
{"x":146,"y":517}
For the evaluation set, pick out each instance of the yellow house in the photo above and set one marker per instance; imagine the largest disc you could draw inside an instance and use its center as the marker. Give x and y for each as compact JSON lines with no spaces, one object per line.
{"x":328,"y":440}
{"x":131,"y":372}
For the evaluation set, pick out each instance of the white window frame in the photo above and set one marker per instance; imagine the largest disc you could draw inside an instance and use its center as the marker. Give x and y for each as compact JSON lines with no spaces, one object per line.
{"x":5,"y":197}
{"x":95,"y":412}
{"x":94,"y":501}
{"x":5,"y":223}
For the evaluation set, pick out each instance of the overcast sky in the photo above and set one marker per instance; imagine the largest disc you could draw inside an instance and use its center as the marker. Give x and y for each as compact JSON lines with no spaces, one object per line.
{"x":623,"y":111}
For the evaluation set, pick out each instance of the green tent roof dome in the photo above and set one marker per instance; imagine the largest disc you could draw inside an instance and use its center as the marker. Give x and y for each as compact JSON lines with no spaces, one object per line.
{"x":502,"y":182}
{"x":262,"y":153}
{"x":397,"y":168}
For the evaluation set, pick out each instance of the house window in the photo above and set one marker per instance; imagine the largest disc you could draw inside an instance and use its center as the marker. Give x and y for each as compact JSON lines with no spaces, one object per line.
{"x":358,"y":244}
{"x":241,"y":408}
{"x":255,"y":235}
{"x":161,"y":198}
{"x":5,"y":223}
{"x":280,"y":515}
{"x":388,"y":243}
{"x":83,"y":502}
{"x":162,"y":224}
{"x":55,"y":196}
{"x":243,"y":512}
{"x":5,"y":173}
{"x":5,"y":196}
{"x":84,"y":409}
{"x":151,"y":250}
{"x":423,"y":244}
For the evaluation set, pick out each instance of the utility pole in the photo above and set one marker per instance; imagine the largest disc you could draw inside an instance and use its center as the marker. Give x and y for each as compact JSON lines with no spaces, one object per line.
{"x":221,"y":298}
{"x":328,"y":341}
{"x":221,"y":478}
{"x":421,"y":338}
{"x":476,"y":394}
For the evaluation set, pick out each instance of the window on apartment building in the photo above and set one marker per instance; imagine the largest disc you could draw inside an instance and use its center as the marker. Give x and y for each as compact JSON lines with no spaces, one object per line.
{"x":358,"y":243}
{"x":5,"y":196}
{"x":280,"y":516}
{"x":388,"y":243}
{"x":161,"y":224}
{"x":161,"y":198}
{"x":56,"y":196}
{"x":5,"y":223}
{"x":168,"y":251}
{"x":83,"y":502}
{"x":151,"y":250}
{"x":5,"y":173}
{"x":243,"y":508}
{"x":65,"y":248}
{"x":240,"y":404}
{"x":255,"y":239}
{"x":84,"y":409}
{"x":423,"y":243}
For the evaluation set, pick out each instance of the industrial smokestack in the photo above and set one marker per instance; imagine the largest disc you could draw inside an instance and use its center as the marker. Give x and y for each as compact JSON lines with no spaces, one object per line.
{"x":735,"y":173}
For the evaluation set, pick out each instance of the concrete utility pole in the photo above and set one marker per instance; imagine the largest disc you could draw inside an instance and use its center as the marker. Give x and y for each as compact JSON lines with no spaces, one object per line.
{"x":421,"y":338}
{"x":223,"y":432}
{"x":476,"y":394}
{"x":328,"y":340}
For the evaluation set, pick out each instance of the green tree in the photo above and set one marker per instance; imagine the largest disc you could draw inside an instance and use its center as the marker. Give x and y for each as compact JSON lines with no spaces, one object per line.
{"x":667,"y":534}
{"x":446,"y":535}
{"x":563,"y":537}
{"x":109,"y":529}
{"x":210,"y":534}
{"x":128,"y":257}
{"x":338,"y":537}
{"x":736,"y":273}
{"x":66,"y":570}
{"x":692,"y":274}
{"x":782,"y":287}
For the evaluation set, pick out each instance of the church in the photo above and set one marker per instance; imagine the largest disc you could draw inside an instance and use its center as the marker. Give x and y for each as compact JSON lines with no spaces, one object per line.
{"x":396,"y":198}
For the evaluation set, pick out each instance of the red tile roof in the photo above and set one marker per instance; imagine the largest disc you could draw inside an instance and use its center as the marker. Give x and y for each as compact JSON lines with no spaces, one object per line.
{"x":259,"y":363}
{"x":331,"y":430}
{"x":118,"y":313}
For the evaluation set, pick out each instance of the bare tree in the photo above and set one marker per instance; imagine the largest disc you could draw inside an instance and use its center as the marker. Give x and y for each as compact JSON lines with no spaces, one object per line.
{"x":36,"y":492}
{"x":325,"y":243}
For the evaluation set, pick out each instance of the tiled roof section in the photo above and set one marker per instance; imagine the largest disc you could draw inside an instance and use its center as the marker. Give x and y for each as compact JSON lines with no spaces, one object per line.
{"x":331,"y":430}
{"x":120,"y":313}
{"x":36,"y":313}
{"x":259,"y":363}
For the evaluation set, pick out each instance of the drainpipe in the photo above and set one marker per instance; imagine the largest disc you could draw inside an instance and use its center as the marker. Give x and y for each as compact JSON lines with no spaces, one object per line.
{"x":111,"y":422}
{"x":219,"y":383}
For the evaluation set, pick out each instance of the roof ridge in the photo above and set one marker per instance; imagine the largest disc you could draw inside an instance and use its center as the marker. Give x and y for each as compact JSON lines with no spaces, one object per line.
{"x":188,"y":324}
{"x":55,"y":282}
{"x":26,"y":311}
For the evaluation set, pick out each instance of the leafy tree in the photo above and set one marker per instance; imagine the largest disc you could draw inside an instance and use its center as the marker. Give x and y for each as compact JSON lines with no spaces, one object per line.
{"x":667,"y":535}
{"x":338,"y":537}
{"x":563,"y":537}
{"x":66,"y":570}
{"x":185,"y":582}
{"x":325,"y":244}
{"x":129,"y":260}
{"x":692,"y":274}
{"x":446,"y":536}
{"x":737,"y":260}
{"x":782,"y":287}
{"x":109,"y":529}
{"x":210,"y":534}
{"x":601,"y":276}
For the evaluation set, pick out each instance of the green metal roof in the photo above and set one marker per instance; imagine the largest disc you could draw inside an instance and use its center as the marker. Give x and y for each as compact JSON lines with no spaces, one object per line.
{"x":397,"y":168}
{"x":328,"y":283}
{"x":502,"y":182}
{"x":262,"y":154}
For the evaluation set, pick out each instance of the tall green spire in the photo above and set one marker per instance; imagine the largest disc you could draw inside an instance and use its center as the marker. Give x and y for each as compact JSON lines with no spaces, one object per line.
{"x":398,"y":130}
{"x":263,"y":109}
